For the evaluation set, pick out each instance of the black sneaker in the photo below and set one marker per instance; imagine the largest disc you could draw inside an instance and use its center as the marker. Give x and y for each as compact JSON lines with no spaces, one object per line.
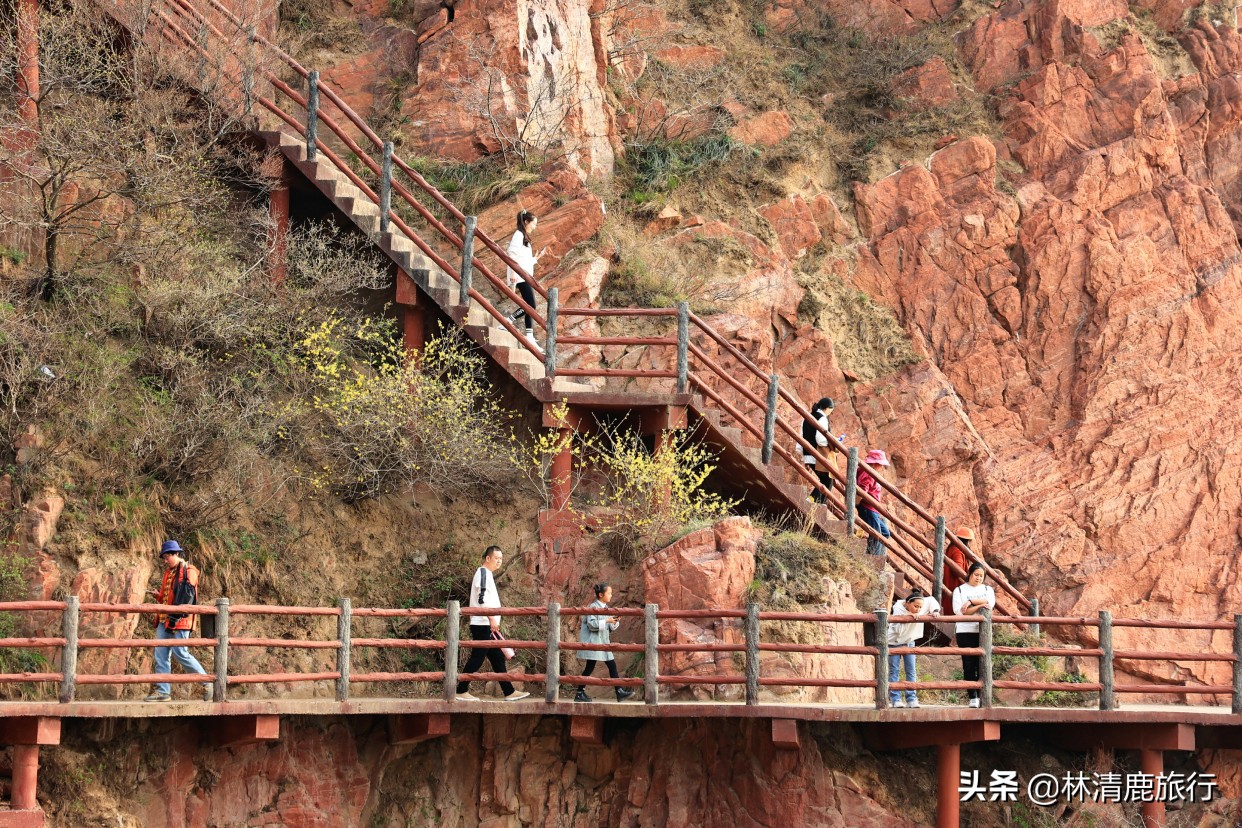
{"x":624,"y":693}
{"x":581,"y":695}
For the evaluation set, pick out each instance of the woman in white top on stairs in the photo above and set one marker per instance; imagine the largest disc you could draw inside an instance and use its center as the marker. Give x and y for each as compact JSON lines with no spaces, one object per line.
{"x":522,"y":251}
{"x":971,"y":598}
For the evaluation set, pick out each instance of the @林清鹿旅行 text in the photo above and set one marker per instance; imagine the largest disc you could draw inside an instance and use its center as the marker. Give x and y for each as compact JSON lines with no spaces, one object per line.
{"x":1050,"y":788}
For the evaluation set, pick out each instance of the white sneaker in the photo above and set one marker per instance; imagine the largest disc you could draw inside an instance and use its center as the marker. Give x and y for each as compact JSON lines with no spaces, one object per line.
{"x":974,"y":702}
{"x":516,"y":695}
{"x":899,"y":703}
{"x":466,"y":697}
{"x":913,"y":703}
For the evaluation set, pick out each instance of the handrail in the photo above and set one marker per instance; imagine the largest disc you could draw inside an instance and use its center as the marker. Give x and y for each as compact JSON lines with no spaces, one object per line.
{"x":344,"y":646}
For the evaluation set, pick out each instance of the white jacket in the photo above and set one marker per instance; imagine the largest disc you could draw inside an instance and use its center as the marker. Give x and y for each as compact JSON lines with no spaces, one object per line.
{"x":904,"y":635}
{"x":966,"y":593}
{"x":821,"y":439}
{"x":524,"y":255}
{"x":491,"y":597}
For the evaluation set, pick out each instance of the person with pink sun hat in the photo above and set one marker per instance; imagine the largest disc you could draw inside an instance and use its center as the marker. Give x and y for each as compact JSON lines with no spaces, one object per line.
{"x":866,"y":481}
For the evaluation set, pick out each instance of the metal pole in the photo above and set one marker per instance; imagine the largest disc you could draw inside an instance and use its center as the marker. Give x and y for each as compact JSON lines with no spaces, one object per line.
{"x":549,"y":343}
{"x":1237,"y":664}
{"x":312,"y":114}
{"x":851,"y":492}
{"x":222,"y":650}
{"x":452,"y":642}
{"x":1035,"y":612}
{"x":938,"y":561}
{"x":385,"y":193}
{"x":651,"y":672}
{"x":1107,"y":701}
{"x":552,"y":682}
{"x":683,"y":347}
{"x":752,"y":653}
{"x":985,"y":662}
{"x":769,"y":419}
{"x":343,"y":635}
{"x":69,"y":652}
{"x":467,"y":260}
{"x":881,"y":659}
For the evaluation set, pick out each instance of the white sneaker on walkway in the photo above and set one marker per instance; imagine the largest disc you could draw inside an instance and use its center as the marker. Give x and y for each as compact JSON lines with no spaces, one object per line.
{"x":516,"y":695}
{"x":466,"y":697}
{"x":974,"y":702}
{"x":899,"y":703}
{"x":209,"y":692}
{"x":913,"y":703}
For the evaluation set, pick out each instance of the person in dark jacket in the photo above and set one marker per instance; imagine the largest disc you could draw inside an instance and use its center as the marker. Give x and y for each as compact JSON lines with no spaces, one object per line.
{"x":816,"y":433}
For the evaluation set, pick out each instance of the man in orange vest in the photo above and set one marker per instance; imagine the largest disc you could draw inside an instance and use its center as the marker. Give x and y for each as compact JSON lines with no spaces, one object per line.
{"x":180,"y":586}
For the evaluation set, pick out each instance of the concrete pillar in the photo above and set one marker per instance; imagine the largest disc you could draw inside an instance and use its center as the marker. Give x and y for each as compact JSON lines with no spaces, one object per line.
{"x":562,"y":471}
{"x":948,"y":773}
{"x":28,"y":61}
{"x":278,"y":209}
{"x":25,"y":777}
{"x":1151,"y":762}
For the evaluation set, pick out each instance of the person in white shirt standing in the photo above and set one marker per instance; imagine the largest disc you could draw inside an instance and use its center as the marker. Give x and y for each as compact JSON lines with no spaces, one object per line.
{"x":522,"y":251}
{"x":971,"y":598}
{"x":483,"y":593}
{"x":816,"y":433}
{"x":906,"y":635}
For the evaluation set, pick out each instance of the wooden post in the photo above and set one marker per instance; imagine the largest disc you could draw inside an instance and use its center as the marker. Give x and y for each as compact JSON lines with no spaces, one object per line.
{"x":343,"y":635}
{"x":1237,"y":664}
{"x":752,"y":653}
{"x":69,"y":652}
{"x":467,"y":261}
{"x":851,"y":492}
{"x":27,"y":25}
{"x":769,"y":419}
{"x":1151,"y":763}
{"x":312,"y":115}
{"x":938,"y":561}
{"x":948,"y":777}
{"x":385,"y":183}
{"x":985,"y":662}
{"x":552,"y":682}
{"x":651,"y":673}
{"x":1035,"y":612}
{"x":1107,"y":701}
{"x":683,"y":347}
{"x":881,"y":659}
{"x":452,"y":643}
{"x":222,"y":649}
{"x":549,"y":343}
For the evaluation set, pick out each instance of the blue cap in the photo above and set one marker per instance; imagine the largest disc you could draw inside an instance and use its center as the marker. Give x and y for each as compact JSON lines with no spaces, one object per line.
{"x":170,"y":546}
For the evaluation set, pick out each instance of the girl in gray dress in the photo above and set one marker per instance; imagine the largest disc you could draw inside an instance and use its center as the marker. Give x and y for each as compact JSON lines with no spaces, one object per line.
{"x":598,"y":629}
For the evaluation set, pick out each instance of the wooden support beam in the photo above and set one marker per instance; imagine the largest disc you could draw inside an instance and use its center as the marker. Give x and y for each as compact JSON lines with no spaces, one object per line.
{"x":785,"y":734}
{"x":907,"y":735}
{"x":29,"y":730}
{"x":417,"y":727}
{"x":588,"y":730}
{"x":1085,"y":736}
{"x":245,"y":730}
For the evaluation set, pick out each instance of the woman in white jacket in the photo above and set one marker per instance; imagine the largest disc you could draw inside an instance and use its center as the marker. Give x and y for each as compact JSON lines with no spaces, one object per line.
{"x":971,"y":598}
{"x":907,"y":635}
{"x":522,"y":251}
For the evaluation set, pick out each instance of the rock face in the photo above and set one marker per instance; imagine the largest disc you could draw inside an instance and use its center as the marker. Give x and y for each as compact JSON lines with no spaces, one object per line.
{"x":713,"y":568}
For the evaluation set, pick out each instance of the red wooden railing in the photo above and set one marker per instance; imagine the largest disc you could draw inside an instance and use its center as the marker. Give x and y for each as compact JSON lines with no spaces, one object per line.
{"x":241,"y":55}
{"x":64,"y":650}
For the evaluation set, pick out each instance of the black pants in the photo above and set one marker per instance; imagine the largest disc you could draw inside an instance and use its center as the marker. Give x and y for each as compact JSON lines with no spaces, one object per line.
{"x":826,"y":479}
{"x":970,"y":663}
{"x":589,"y":668}
{"x":483,"y":632}
{"x":528,"y":296}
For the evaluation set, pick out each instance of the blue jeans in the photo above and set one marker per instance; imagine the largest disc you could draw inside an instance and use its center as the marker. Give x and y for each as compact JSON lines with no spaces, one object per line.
{"x":877,"y":522}
{"x":894,"y":674}
{"x":188,"y":662}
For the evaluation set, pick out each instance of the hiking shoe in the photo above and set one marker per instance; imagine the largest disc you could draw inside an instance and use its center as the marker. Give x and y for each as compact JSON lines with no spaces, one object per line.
{"x":581,"y":695}
{"x":517,"y":695}
{"x":466,"y":697}
{"x":624,"y":693}
{"x":209,"y":692}
{"x":158,"y":697}
{"x":913,"y":703}
{"x":898,"y":703}
{"x":974,"y":702}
